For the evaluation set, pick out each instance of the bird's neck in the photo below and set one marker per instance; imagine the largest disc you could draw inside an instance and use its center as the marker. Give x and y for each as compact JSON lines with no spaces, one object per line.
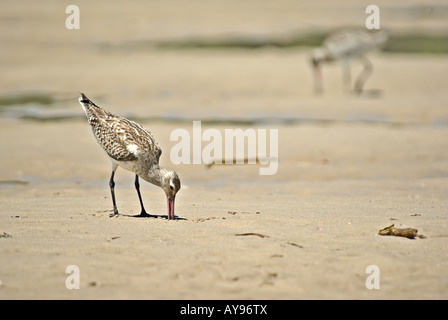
{"x":155,"y":175}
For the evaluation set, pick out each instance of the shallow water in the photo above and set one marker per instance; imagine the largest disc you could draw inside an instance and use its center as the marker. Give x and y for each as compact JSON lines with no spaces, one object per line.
{"x":39,"y":112}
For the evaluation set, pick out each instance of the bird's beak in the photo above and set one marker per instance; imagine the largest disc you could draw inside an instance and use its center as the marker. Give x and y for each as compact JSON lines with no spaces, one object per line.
{"x":317,"y":79}
{"x":170,"y":203}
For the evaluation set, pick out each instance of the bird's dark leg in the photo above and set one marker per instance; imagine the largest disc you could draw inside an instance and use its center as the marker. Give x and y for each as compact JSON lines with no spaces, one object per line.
{"x":112,"y":190}
{"x":137,"y":186}
{"x":366,"y":72}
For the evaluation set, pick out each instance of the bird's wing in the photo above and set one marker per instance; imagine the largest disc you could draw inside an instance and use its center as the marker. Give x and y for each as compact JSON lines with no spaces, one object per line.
{"x":122,"y":139}
{"x":111,"y":138}
{"x":140,"y":141}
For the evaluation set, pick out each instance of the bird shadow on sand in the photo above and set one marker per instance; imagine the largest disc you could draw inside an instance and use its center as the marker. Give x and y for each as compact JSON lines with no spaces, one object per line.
{"x":151,"y":216}
{"x":369,"y":94}
{"x":147,"y":216}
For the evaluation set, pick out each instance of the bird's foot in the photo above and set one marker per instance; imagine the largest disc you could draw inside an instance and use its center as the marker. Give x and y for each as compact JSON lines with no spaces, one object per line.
{"x":114,"y":214}
{"x":144,"y":214}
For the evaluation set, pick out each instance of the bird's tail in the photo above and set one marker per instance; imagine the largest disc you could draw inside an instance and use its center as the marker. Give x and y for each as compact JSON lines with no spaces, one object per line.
{"x":90,"y":108}
{"x":84,"y":100}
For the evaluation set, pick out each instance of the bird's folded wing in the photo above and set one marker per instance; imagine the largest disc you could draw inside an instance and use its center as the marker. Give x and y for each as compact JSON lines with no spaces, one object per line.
{"x":126,"y":140}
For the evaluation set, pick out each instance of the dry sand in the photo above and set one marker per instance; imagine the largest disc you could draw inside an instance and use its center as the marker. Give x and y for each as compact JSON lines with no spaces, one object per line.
{"x":359,"y":164}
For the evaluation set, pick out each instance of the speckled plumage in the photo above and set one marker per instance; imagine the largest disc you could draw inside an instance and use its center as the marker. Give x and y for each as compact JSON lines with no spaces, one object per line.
{"x":352,"y":43}
{"x":121,"y":139}
{"x":132,"y":147}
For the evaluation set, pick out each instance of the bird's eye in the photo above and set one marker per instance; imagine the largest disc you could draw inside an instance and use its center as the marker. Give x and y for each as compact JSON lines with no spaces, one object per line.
{"x":171,"y":187}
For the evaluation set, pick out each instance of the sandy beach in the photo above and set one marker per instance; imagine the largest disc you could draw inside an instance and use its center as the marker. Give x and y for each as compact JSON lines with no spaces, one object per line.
{"x":348,"y":165}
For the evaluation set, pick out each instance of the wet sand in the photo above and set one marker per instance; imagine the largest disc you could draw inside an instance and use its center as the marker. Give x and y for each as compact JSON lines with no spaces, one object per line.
{"x":348,"y":166}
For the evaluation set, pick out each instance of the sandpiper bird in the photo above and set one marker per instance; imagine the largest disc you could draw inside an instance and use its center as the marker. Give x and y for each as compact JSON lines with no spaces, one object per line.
{"x":346,"y":46}
{"x":132,"y":147}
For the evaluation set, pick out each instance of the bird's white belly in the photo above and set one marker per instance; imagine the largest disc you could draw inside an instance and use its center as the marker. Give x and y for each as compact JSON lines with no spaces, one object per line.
{"x":128,"y":165}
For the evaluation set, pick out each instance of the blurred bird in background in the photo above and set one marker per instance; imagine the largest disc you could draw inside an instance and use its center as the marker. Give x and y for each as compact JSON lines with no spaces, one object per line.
{"x":347,"y":46}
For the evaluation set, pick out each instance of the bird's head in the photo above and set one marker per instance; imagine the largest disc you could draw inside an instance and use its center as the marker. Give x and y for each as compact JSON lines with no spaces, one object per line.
{"x":170,"y":183}
{"x":318,"y":56}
